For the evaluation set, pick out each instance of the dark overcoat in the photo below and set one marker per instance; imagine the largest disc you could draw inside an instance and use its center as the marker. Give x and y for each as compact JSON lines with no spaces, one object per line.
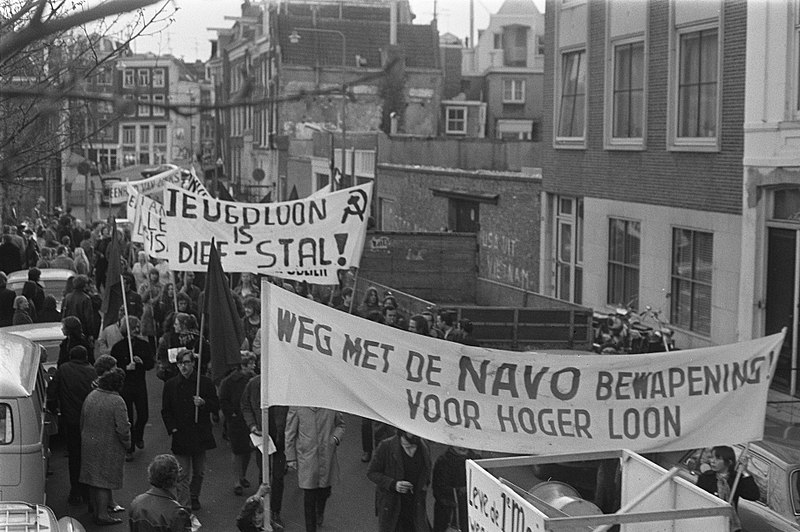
{"x":177,"y":410}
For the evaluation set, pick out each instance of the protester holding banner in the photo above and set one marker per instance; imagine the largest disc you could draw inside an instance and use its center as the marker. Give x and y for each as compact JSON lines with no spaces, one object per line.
{"x":401,"y":470}
{"x":728,"y":483}
{"x":187,"y":417}
{"x":150,"y":292}
{"x":231,"y":390}
{"x":136,"y":357}
{"x":140,"y":268}
{"x":312,"y":437}
{"x":251,"y":411}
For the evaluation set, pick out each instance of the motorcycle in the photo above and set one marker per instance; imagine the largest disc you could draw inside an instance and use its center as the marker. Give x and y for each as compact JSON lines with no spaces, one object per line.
{"x":625,"y":331}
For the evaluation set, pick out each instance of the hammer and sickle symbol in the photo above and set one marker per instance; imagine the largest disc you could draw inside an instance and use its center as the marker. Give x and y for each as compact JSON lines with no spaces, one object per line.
{"x":356,"y":205}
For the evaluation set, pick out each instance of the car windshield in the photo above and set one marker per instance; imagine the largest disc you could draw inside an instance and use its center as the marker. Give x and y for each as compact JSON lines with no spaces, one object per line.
{"x":794,"y":485}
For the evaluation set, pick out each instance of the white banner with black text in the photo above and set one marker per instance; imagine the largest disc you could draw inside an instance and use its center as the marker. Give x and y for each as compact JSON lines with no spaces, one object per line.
{"x":532,"y":403}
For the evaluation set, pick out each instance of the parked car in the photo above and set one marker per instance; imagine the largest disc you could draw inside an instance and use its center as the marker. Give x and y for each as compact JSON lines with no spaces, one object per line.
{"x":774,"y":465}
{"x":54,"y":281}
{"x":25,"y":424}
{"x":47,"y":335}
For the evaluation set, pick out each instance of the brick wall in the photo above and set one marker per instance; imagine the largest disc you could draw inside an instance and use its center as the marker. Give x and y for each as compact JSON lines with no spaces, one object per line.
{"x":508,"y":240}
{"x":702,"y":181}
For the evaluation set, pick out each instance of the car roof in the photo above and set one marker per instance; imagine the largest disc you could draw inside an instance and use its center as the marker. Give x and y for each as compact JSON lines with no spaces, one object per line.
{"x":48,"y":274}
{"x":20,"y":365}
{"x":786,"y":451}
{"x":37,"y":332}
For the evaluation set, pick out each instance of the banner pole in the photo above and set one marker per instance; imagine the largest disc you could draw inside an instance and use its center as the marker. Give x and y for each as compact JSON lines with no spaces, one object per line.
{"x":265,"y":288}
{"x":127,"y":321}
{"x":199,"y":362}
{"x":174,"y":291}
{"x":353,"y":298}
{"x":740,"y":467}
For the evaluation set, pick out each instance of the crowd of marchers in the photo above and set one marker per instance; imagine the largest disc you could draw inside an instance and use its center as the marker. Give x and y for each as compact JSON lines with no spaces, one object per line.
{"x":99,"y":390}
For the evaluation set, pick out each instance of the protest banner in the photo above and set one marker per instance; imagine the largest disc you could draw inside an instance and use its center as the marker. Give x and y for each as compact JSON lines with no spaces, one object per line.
{"x":154,"y":186}
{"x":149,"y":227}
{"x":495,"y":507}
{"x":509,"y":401}
{"x":308,"y":239}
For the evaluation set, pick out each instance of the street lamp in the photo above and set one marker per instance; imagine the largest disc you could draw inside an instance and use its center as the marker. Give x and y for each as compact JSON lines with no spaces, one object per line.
{"x":294,"y":38}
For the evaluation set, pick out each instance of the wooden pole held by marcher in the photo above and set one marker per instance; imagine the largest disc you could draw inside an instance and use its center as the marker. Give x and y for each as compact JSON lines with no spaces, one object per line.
{"x":741,"y":466}
{"x":199,"y":362}
{"x":353,"y":297}
{"x":127,"y":320}
{"x":174,"y":291}
{"x":265,"y":411}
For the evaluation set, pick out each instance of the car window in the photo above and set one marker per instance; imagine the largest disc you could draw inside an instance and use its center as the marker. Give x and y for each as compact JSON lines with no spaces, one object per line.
{"x":794,"y":485}
{"x":698,"y":461}
{"x":6,"y":424}
{"x":758,"y":468}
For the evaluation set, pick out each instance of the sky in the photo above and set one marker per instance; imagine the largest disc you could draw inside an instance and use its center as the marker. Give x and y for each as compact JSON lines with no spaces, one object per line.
{"x":187,"y":36}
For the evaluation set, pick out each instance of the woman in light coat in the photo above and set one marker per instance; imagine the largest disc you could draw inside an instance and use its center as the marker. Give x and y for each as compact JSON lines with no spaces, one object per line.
{"x":312,"y":436}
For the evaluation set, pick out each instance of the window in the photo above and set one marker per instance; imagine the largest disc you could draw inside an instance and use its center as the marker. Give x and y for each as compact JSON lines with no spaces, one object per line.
{"x":573,"y":95}
{"x":623,"y":262}
{"x":130,"y":107}
{"x":692,"y":263}
{"x":129,"y":135}
{"x":6,"y":424}
{"x":106,"y":108}
{"x":569,"y":249}
{"x":456,"y":120}
{"x":104,"y":77}
{"x":159,"y":134}
{"x":513,"y":91}
{"x":498,"y":41}
{"x":697,"y":84}
{"x":628,"y":97}
{"x":158,"y":77}
{"x":144,"y":77}
{"x":143,"y":108}
{"x":128,"y":79}
{"x":159,"y":99}
{"x":144,"y":135}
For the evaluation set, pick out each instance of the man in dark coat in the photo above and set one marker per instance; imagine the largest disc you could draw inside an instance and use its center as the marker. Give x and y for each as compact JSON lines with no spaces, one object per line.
{"x":6,"y":302}
{"x":33,"y":289}
{"x":401,"y":471}
{"x":10,"y":260}
{"x":78,"y":303}
{"x":251,"y":412}
{"x":190,"y":439}
{"x":71,"y":384}
{"x":134,"y":391}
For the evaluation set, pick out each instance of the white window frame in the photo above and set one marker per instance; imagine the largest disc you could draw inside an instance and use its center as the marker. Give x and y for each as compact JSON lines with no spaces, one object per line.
{"x":122,"y":135}
{"x":130,"y":105}
{"x":515,"y":85}
{"x":143,"y":105}
{"x":447,"y":119}
{"x":143,"y":77}
{"x":573,"y":222}
{"x":624,"y":143}
{"x":129,"y":78}
{"x":693,"y":280}
{"x":105,"y":77}
{"x":578,"y":142}
{"x":161,"y":99}
{"x":702,"y":144}
{"x":625,"y":264}
{"x":159,"y":77}
{"x":521,"y":128}
{"x":160,"y":128}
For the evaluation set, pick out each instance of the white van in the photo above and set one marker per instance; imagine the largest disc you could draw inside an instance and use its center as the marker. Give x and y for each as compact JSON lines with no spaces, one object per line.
{"x":24,"y":445}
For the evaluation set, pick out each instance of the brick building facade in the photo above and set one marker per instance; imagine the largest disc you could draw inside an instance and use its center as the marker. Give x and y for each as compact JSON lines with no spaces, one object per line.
{"x":503,"y":208}
{"x":643,"y":162}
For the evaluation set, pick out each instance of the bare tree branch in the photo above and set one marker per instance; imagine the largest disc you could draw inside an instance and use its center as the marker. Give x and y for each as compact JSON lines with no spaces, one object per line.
{"x":17,"y":41}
